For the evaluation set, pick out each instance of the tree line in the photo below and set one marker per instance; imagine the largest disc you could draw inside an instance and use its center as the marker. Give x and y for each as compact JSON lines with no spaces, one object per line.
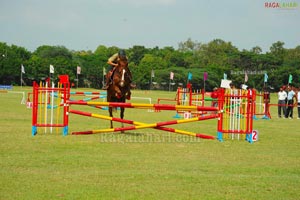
{"x":217,"y":58}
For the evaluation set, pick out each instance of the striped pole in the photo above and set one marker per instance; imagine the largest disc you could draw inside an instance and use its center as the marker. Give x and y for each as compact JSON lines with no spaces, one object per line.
{"x":87,"y":93}
{"x":141,"y":105}
{"x":45,"y":106}
{"x":93,"y":98}
{"x":140,"y":125}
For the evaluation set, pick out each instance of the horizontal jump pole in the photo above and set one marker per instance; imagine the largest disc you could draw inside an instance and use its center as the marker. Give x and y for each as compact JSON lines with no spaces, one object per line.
{"x":140,"y":125}
{"x":93,"y":98}
{"x":87,"y":93}
{"x":49,"y":125}
{"x":147,"y":106}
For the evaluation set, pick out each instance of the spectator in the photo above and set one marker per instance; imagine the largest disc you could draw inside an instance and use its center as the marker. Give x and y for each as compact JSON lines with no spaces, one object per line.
{"x":214,"y":96}
{"x":290,"y":101}
{"x":282,"y":95}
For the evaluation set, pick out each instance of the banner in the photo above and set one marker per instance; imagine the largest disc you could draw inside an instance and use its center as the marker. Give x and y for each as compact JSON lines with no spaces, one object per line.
{"x":51,"y":69}
{"x":225,"y":83}
{"x":78,"y":70}
{"x":152,"y":73}
{"x":266,"y":77}
{"x":190,"y":76}
{"x":290,"y":78}
{"x":22,"y":69}
{"x":205,"y":76}
{"x":171,"y":76}
{"x":246,"y":77}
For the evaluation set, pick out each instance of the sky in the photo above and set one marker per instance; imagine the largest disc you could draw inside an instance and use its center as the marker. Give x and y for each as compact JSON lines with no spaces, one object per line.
{"x":86,"y":24}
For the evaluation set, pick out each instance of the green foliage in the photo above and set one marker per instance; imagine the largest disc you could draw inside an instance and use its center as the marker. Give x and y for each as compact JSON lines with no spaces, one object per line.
{"x":216,"y":57}
{"x":11,"y":59}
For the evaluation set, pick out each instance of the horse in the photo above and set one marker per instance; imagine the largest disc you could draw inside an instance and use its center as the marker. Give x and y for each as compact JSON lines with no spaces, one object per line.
{"x":119,"y":87}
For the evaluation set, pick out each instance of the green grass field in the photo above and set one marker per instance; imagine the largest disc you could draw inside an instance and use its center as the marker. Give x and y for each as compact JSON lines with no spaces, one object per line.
{"x":146,"y":163}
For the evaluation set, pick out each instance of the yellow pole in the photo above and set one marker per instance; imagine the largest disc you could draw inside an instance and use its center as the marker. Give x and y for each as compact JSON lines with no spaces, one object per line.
{"x":40,"y":102}
{"x":58,"y":106}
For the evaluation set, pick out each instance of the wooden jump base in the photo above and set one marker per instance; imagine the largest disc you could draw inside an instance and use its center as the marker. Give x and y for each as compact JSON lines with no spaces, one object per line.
{"x":140,"y":125}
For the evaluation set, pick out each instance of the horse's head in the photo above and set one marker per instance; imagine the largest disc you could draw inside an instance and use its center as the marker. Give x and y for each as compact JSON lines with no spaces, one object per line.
{"x":122,"y":69}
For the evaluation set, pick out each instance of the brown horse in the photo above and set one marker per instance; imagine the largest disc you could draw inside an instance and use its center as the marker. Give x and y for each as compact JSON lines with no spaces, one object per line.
{"x":120,"y":86}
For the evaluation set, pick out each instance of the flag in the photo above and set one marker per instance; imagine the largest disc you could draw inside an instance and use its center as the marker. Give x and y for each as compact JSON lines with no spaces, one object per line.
{"x":205,"y":76}
{"x":225,"y":76}
{"x":246,"y":77}
{"x":78,"y":70}
{"x":290,"y":79}
{"x":152,"y":73}
{"x":51,"y":69}
{"x":171,"y":75}
{"x":190,"y":75}
{"x":104,"y":71}
{"x":22,"y":69}
{"x":266,"y":77}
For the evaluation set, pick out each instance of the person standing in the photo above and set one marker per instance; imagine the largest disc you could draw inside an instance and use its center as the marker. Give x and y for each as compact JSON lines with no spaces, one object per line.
{"x":290,"y":102}
{"x":282,"y":95}
{"x":214,"y":95}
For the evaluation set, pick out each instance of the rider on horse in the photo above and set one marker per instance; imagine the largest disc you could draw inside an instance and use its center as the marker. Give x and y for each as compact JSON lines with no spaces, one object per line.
{"x":113,"y":63}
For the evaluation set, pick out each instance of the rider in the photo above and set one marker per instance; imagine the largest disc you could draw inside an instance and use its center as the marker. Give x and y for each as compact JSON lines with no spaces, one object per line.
{"x":113,"y":62}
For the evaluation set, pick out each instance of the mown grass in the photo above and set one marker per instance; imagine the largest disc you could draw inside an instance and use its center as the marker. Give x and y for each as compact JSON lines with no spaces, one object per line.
{"x":146,"y":163}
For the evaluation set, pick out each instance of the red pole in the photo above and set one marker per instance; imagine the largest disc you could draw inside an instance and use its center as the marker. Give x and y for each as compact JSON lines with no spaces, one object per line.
{"x":178,"y":95}
{"x":34,"y":108}
{"x":66,"y":93}
{"x":220,"y":107}
{"x":248,"y":111}
{"x":252,"y":109}
{"x":34,"y":104}
{"x":191,"y":95}
{"x":203,"y":93}
{"x":221,"y":102}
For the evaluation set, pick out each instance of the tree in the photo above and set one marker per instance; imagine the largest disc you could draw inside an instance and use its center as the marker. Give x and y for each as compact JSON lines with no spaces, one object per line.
{"x":136,"y":54}
{"x":215,"y":57}
{"x":148,"y":63}
{"x":278,"y":51}
{"x":188,"y":45}
{"x":58,"y":56}
{"x":256,"y":50}
{"x":10,"y":63}
{"x":102,"y":51}
{"x":217,"y":52}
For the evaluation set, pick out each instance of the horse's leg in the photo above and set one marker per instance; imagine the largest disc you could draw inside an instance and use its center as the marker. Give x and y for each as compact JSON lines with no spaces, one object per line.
{"x":118,"y":93}
{"x":111,"y":115}
{"x":128,"y":93}
{"x":122,"y":116}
